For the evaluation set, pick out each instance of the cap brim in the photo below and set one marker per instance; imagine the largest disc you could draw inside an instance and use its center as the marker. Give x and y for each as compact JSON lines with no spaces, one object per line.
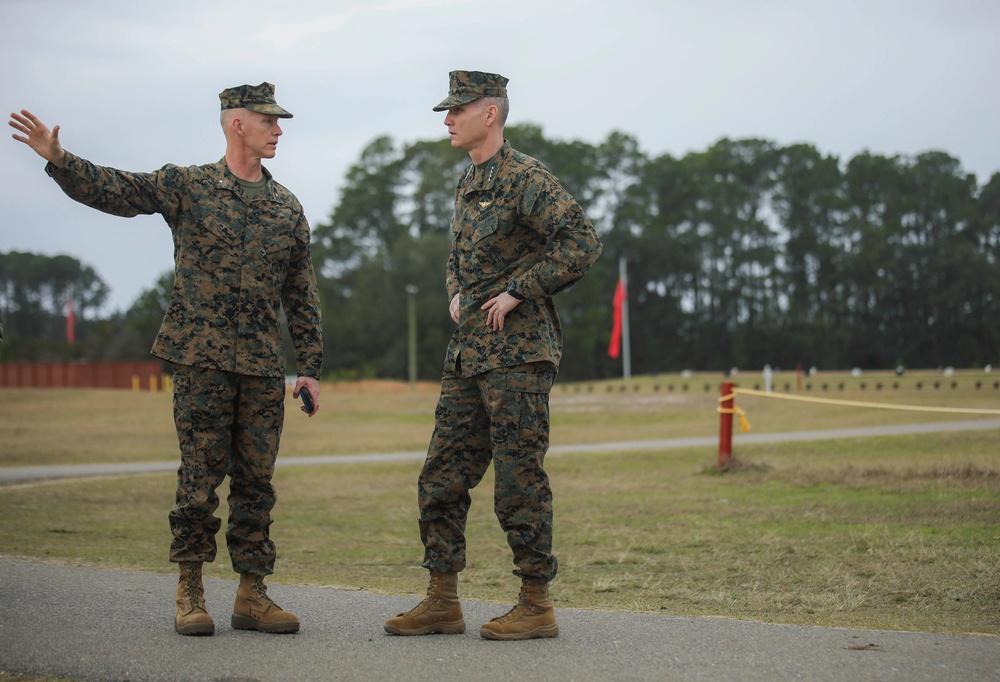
{"x":270,"y":110}
{"x":454,"y":101}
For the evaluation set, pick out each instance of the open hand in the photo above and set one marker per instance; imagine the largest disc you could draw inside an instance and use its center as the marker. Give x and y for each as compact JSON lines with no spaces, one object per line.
{"x":37,"y":135}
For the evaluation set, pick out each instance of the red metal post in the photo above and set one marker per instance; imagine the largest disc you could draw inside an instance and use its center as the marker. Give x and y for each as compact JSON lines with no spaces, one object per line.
{"x":726,"y":424}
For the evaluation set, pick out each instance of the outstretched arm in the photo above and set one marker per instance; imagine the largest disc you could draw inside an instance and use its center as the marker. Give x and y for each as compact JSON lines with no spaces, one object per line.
{"x":37,"y":135}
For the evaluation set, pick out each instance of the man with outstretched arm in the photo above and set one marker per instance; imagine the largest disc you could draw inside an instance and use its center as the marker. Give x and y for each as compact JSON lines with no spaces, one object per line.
{"x":241,"y":253}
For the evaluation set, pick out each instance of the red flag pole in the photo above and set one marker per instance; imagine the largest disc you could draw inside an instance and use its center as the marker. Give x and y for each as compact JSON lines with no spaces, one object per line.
{"x":620,"y":344}
{"x":726,"y":403}
{"x":615,"y":346}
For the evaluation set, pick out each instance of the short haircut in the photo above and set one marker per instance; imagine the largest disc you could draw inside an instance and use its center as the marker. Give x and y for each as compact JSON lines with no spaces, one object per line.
{"x":502,"y":104}
{"x":226,"y":117}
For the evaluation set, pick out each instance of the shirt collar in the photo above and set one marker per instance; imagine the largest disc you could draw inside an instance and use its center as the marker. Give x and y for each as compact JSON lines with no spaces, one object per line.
{"x":224,"y":179}
{"x":483,"y":176}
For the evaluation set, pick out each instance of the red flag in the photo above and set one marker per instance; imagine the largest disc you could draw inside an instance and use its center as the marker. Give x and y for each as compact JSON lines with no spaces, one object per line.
{"x":70,"y":322}
{"x":615,"y":347}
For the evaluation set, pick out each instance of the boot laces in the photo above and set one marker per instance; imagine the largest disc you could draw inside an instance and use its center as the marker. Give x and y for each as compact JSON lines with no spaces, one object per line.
{"x":433,"y":586}
{"x":433,"y":593}
{"x":519,"y":609}
{"x":419,"y":608}
{"x":193,"y":590}
{"x":260,"y":591}
{"x":433,"y":589}
{"x":433,"y":597}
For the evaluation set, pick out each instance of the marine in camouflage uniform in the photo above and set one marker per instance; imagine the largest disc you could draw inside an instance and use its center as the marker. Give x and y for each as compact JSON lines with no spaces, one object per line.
{"x":241,"y":252}
{"x":518,"y":239}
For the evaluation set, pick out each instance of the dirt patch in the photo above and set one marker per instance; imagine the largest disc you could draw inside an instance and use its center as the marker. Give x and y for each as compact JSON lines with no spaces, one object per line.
{"x":964,"y":475}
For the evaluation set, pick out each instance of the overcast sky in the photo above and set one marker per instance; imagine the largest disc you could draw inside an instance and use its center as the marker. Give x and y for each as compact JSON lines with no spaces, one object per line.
{"x":135,"y":85}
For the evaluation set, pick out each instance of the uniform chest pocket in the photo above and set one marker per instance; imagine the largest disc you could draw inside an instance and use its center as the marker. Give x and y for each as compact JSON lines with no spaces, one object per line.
{"x":276,"y":251}
{"x":218,"y":230}
{"x":208,"y":246}
{"x":484,"y":226}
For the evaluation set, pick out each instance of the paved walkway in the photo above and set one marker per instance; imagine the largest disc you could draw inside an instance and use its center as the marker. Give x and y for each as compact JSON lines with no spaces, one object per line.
{"x":105,"y":625}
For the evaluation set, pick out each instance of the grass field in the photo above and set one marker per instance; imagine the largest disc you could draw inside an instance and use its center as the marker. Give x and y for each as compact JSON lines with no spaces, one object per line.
{"x":899,"y":532}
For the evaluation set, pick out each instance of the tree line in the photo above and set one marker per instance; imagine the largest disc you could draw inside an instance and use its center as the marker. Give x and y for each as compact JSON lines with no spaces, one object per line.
{"x":745,"y":254}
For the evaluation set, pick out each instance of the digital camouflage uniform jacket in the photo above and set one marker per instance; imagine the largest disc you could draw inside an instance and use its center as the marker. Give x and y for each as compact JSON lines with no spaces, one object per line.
{"x":514,"y":227}
{"x":235,"y":262}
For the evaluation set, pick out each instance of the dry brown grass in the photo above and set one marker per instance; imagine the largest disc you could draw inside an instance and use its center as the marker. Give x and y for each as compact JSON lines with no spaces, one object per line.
{"x":41,"y":426}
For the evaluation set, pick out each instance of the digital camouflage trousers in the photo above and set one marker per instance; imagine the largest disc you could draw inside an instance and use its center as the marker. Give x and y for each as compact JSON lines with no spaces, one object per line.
{"x":500,"y":416}
{"x":227,"y":424}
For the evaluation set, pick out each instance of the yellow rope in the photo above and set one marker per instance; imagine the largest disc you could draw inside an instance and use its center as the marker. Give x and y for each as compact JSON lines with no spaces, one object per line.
{"x":744,"y":422}
{"x":831,"y":401}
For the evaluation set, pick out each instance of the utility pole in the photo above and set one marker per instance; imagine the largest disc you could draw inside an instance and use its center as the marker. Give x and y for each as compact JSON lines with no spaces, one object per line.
{"x":411,"y":314}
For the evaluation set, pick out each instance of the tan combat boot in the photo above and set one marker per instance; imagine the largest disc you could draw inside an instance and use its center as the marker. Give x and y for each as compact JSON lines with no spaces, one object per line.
{"x":254,"y":610}
{"x":532,"y":616}
{"x":439,"y":611}
{"x":191,"y":617}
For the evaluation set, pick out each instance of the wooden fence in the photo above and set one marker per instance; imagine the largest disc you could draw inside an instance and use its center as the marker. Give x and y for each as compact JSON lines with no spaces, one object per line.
{"x":144,"y":375}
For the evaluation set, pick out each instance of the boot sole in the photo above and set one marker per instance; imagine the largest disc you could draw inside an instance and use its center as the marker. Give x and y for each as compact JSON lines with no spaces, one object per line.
{"x":195,"y":629}
{"x":452,"y":628}
{"x":247,"y":623}
{"x":537,"y":633}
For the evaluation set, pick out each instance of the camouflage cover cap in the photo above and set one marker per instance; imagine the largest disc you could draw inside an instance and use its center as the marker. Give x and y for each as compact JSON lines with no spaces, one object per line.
{"x":467,"y":86}
{"x":259,"y":98}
